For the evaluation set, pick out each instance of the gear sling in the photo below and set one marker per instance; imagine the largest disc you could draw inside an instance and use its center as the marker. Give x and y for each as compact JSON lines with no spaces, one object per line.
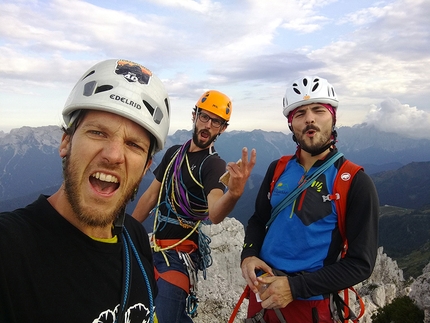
{"x":339,"y":307}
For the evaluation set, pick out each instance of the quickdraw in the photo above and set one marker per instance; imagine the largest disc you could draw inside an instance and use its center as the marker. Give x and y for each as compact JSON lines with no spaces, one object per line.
{"x":192,"y":300}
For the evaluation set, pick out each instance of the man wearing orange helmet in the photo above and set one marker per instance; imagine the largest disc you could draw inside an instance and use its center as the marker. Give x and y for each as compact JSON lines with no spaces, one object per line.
{"x":186,"y":191}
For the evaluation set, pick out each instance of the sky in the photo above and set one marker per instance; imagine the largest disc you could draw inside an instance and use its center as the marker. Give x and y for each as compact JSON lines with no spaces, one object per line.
{"x":374,"y":53}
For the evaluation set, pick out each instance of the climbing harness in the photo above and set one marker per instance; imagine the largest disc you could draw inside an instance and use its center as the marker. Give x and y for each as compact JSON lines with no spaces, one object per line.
{"x":188,"y":211}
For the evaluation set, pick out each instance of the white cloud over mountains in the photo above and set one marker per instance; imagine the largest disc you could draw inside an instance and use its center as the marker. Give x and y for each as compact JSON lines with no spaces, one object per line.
{"x":250,"y":49}
{"x":392,"y":116}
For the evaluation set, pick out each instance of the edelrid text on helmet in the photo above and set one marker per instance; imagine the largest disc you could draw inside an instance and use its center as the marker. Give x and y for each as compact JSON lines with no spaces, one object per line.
{"x":306,"y":90}
{"x":125,"y":88}
{"x":216,"y":102}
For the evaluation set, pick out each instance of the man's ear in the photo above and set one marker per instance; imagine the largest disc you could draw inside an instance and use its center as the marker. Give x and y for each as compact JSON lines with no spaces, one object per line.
{"x":223,"y":128}
{"x":64,"y":145}
{"x":148,"y":164}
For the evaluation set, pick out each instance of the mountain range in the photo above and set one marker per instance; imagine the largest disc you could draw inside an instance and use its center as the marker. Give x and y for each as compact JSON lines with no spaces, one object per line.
{"x":399,"y":166}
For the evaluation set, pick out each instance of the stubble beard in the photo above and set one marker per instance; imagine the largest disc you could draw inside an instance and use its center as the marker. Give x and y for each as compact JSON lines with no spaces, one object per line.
{"x":200,"y":144}
{"x":314,"y":148}
{"x":85,"y":214}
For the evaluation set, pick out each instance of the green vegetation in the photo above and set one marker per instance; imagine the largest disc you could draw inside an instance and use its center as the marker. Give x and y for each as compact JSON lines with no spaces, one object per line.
{"x":413,"y":263}
{"x":404,"y":234}
{"x":401,"y":310}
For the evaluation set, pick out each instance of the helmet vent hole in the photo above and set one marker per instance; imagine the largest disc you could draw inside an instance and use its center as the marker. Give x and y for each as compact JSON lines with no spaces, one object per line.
{"x":90,"y":73}
{"x":149,"y":107}
{"x":296,"y":90}
{"x":103,"y":88}
{"x":315,"y":87}
{"x":305,"y":82}
{"x":166,"y":103}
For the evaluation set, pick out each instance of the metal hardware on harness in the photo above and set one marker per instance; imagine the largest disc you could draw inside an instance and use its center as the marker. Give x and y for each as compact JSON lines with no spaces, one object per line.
{"x":258,"y":318}
{"x":192,"y":300}
{"x":328,"y":197}
{"x":192,"y":304}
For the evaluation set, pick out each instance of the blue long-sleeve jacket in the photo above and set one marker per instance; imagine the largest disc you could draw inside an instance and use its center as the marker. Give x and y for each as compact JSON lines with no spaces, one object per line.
{"x":304,"y":238}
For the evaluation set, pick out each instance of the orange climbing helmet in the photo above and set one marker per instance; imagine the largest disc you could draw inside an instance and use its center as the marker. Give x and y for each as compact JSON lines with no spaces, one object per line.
{"x":216,"y":102}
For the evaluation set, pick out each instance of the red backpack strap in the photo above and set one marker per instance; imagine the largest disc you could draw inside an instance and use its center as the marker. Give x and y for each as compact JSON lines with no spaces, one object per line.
{"x":360,"y":300}
{"x":279,"y":169}
{"x":341,"y":186}
{"x":245,"y":294}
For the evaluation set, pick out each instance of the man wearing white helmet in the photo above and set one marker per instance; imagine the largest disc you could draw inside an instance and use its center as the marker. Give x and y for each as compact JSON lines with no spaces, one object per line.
{"x":186,"y":191}
{"x":75,"y":256}
{"x":297,"y":233}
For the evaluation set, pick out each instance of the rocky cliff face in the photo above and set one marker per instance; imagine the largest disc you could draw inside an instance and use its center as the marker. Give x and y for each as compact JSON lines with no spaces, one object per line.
{"x":420,"y":292}
{"x":220,"y":292}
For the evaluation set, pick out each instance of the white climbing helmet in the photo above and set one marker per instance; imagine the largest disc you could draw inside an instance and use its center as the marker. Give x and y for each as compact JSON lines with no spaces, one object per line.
{"x":125,"y":88}
{"x":309,"y":89}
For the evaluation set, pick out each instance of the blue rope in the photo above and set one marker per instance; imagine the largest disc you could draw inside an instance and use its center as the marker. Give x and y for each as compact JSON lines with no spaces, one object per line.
{"x":145,"y":276}
{"x":126,"y":281}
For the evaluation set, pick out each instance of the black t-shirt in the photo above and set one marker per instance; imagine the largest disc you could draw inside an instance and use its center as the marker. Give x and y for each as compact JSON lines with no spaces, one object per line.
{"x":52,"y":272}
{"x":206,"y":168}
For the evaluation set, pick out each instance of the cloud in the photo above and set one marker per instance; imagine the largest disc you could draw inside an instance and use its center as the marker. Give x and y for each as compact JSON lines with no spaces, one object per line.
{"x":392,"y":116}
{"x":250,"y":49}
{"x":384,"y":57}
{"x":202,"y":7}
{"x":274,"y":67}
{"x":363,"y":16}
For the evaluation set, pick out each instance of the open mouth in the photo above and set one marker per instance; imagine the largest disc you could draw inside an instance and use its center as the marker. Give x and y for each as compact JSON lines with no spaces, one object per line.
{"x":205,"y":134}
{"x":310,"y":130}
{"x":104,"y":183}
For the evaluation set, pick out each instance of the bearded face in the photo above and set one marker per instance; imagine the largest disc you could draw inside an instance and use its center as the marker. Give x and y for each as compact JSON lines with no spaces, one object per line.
{"x":203,"y":138}
{"x":207,"y":128}
{"x":85,"y":213}
{"x":105,"y":160}
{"x":312,"y":126}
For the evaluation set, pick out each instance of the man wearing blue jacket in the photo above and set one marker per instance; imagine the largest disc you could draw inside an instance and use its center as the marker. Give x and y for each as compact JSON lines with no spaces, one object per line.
{"x":299,"y":248}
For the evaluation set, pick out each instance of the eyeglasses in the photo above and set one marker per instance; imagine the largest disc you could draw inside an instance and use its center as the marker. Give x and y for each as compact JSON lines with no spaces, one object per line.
{"x":216,"y":123}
